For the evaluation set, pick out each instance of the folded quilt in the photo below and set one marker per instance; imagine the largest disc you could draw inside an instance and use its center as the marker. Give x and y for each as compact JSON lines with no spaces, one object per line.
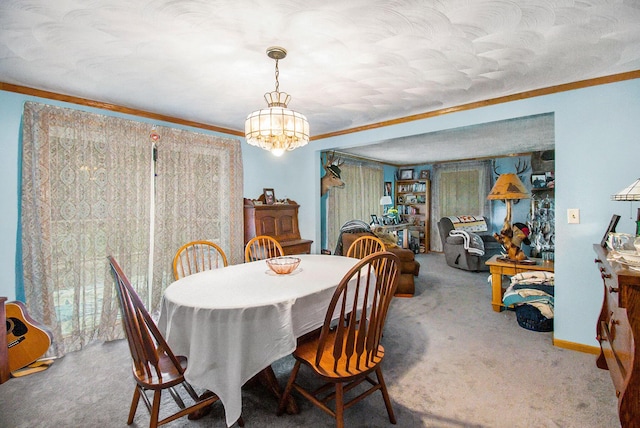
{"x":534,"y":288}
{"x":531,"y":288}
{"x":533,"y":277}
{"x":472,"y":242}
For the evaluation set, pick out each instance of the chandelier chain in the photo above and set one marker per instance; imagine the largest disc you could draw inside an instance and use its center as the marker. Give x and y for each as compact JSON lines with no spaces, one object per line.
{"x":277,"y":75}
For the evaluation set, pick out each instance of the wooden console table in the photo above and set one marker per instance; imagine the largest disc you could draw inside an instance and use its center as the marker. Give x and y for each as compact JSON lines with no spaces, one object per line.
{"x":497,"y":268}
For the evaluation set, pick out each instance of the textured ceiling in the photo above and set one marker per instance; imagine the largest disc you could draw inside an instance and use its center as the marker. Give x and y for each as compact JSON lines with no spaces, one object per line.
{"x":350,"y":64}
{"x":493,"y":139}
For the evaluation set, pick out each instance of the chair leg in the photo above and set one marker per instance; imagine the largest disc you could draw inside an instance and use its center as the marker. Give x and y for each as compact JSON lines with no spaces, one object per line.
{"x":385,"y":395}
{"x":134,"y":405}
{"x":287,"y":390}
{"x":339,"y":406}
{"x":155,"y":409}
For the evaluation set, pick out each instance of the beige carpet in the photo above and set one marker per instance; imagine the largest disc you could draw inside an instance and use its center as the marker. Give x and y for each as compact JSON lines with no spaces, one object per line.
{"x":451,"y":362}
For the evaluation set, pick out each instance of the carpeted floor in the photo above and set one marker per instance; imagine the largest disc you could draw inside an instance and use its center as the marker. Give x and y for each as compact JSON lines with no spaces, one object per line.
{"x":451,"y":361}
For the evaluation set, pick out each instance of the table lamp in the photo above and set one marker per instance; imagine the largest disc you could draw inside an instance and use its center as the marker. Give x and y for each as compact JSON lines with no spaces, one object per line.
{"x":508,"y":188}
{"x":385,"y":201}
{"x":630,"y":193}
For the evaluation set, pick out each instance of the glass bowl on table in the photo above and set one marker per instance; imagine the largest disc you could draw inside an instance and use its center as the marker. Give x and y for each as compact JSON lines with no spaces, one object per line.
{"x":283,"y":265}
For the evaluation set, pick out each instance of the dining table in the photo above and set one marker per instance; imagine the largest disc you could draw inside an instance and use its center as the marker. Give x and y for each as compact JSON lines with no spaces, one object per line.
{"x":233,"y":322}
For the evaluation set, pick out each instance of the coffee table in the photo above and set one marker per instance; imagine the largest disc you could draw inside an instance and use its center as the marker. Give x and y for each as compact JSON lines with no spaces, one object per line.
{"x":499,"y":267}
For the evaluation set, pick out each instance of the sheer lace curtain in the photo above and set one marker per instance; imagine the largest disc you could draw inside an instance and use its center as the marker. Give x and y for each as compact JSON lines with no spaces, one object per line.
{"x":360,"y":197}
{"x":88,"y":192}
{"x":459,"y":188}
{"x":198,"y":196}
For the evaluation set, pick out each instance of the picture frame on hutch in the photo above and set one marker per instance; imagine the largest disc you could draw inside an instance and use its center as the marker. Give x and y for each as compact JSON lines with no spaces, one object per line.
{"x":610,"y":229}
{"x":269,"y":196}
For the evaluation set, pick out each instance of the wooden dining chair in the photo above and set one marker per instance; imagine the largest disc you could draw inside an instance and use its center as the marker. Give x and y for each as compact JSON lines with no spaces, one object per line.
{"x":155,"y":367}
{"x":365,"y":245}
{"x":198,"y":256}
{"x":345,"y":354}
{"x":262,"y":247}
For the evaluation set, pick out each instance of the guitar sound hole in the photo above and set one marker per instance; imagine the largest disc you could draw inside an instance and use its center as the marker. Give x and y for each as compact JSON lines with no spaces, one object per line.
{"x":19,"y":328}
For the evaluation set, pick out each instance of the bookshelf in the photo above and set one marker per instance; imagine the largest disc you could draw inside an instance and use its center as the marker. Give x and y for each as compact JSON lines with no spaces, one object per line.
{"x":412,"y":201}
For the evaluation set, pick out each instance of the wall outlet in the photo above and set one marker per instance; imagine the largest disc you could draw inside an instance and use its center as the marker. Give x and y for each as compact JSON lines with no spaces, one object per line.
{"x":573,"y":215}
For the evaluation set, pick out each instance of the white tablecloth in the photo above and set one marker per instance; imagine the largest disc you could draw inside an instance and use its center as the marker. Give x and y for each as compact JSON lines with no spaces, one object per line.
{"x":232,"y":322}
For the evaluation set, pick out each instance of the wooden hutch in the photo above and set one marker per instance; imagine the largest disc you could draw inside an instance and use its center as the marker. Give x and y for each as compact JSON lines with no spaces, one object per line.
{"x":618,"y":332}
{"x":279,"y":220}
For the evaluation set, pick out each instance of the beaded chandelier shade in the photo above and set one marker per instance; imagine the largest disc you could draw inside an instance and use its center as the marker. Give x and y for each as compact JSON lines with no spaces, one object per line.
{"x":277,"y":128}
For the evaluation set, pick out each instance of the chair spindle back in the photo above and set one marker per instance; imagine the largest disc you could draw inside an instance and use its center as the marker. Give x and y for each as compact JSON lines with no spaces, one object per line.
{"x":361,"y":302}
{"x":261,"y":248}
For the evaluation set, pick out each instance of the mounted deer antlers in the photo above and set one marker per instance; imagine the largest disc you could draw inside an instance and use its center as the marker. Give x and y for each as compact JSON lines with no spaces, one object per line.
{"x":521,"y":168}
{"x":332,"y":176}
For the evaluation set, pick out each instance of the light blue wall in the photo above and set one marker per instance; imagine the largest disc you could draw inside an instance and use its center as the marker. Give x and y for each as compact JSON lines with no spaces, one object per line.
{"x":596,"y":155}
{"x":597,"y":146}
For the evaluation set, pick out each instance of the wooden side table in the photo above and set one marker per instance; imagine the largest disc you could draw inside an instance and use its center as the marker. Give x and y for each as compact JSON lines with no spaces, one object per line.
{"x":5,"y":374}
{"x":497,"y":268}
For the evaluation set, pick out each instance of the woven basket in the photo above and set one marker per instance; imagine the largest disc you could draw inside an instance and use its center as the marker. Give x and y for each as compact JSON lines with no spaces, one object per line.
{"x":529,"y":317}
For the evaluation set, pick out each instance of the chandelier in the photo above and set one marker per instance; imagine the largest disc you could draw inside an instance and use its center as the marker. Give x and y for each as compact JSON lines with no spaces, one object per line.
{"x":276,"y":128}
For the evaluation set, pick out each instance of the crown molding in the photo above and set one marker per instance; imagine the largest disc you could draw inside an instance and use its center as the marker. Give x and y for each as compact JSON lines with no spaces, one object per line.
{"x":463,"y":107}
{"x":112,"y":107}
{"x":505,"y":99}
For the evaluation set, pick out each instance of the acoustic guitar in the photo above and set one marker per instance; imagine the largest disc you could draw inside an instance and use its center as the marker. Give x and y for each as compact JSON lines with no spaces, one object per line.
{"x":27,"y":339}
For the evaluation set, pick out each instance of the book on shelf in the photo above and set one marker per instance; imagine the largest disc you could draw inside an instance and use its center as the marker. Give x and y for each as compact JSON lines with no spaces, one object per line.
{"x":412,"y":187}
{"x":407,"y":210}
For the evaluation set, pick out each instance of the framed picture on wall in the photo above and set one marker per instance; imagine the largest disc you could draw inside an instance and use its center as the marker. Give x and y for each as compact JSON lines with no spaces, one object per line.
{"x":424,"y":174}
{"x":406,"y":174}
{"x":387,"y":188}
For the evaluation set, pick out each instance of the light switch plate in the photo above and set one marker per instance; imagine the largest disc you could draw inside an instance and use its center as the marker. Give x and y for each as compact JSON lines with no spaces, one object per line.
{"x":573,"y":215}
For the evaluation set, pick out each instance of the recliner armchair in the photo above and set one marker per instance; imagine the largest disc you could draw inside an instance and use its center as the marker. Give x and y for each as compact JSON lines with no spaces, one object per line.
{"x":455,"y":253}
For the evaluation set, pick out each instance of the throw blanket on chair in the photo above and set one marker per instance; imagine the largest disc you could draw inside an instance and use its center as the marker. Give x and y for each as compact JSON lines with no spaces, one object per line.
{"x":470,"y":223}
{"x":352,"y":226}
{"x":472,"y":243}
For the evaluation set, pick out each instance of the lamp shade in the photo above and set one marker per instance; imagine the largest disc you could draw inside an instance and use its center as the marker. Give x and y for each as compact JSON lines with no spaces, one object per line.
{"x":386,"y":200}
{"x":507,"y":187}
{"x":629,"y":193}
